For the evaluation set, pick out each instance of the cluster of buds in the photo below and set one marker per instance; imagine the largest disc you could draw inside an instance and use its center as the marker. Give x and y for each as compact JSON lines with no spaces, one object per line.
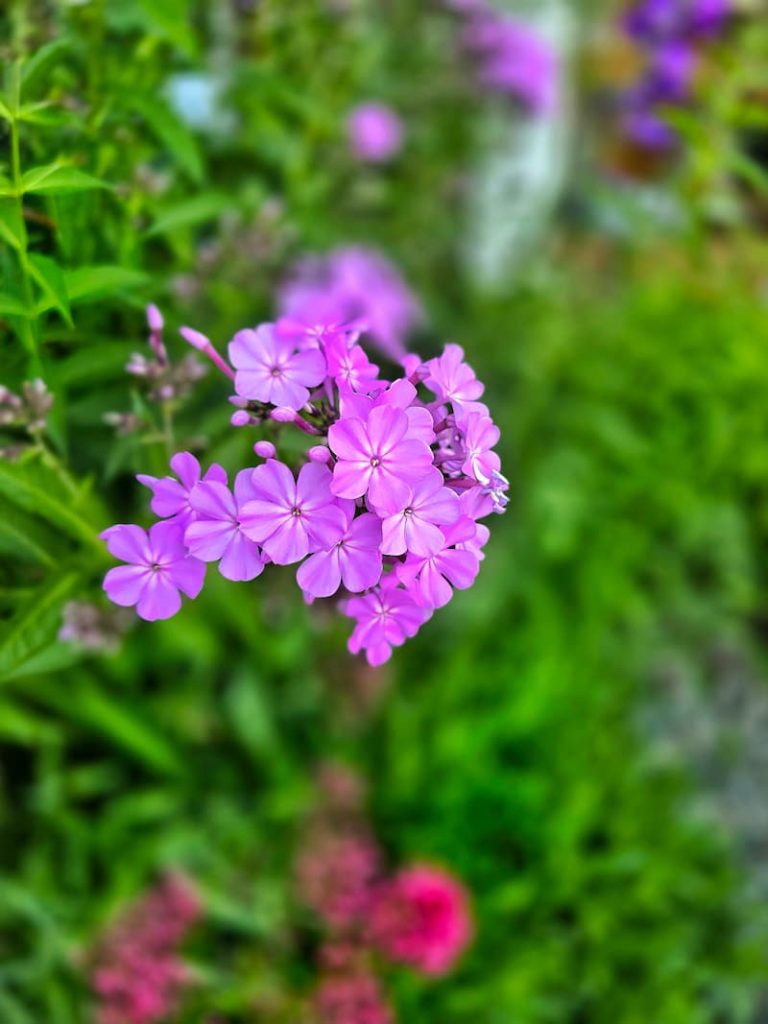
{"x":164,"y":380}
{"x":24,"y":415}
{"x":385,"y":512}
{"x":671,"y":32}
{"x":91,"y":627}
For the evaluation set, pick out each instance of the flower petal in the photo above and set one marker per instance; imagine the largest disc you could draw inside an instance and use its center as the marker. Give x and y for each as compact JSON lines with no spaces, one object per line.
{"x":159,"y":598}
{"x":125,"y":583}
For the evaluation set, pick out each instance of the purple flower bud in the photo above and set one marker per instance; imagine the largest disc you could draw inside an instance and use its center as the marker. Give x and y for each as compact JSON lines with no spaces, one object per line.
{"x":240,"y":418}
{"x":319,"y":453}
{"x":375,"y":132}
{"x":155,"y":318}
{"x":265,"y":449}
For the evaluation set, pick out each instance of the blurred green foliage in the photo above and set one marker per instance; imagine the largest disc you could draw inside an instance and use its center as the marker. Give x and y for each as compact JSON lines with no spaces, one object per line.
{"x":504,"y":740}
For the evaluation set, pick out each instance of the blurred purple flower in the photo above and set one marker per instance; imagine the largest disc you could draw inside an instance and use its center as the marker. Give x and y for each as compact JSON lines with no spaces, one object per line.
{"x":512,"y":58}
{"x":353,"y":283}
{"x":375,"y":132}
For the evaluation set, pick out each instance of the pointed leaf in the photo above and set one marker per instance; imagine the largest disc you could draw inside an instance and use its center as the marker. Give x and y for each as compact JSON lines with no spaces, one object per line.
{"x":50,"y":277}
{"x":56,"y":178}
{"x":34,"y":624}
{"x":86,"y":284}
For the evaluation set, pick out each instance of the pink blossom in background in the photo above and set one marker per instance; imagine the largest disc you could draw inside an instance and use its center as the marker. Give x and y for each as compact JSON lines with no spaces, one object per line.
{"x":422,"y":918}
{"x":353,"y":283}
{"x":375,"y":132}
{"x":159,"y":566}
{"x":336,"y":872}
{"x":138,"y":976}
{"x":351,"y":998}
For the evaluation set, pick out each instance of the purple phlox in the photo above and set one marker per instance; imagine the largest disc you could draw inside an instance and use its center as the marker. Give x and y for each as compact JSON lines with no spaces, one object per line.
{"x":374,"y":458}
{"x":349,"y":284}
{"x":400,"y":394}
{"x":375,"y":132}
{"x":271,"y":369}
{"x":291,"y":518}
{"x":354,"y":560}
{"x":479,"y":435}
{"x":430,"y":579}
{"x":216,"y":534}
{"x":451,"y":379}
{"x":158,"y":568}
{"x":171,"y":498}
{"x":385,"y":618}
{"x":413,"y":525}
{"x":512,"y":58}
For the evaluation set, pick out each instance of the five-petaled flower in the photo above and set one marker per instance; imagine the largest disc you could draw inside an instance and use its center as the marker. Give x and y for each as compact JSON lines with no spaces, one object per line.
{"x":270,"y":369}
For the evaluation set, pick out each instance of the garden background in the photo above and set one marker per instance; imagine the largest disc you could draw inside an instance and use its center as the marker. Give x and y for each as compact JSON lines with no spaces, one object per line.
{"x":580,"y":738}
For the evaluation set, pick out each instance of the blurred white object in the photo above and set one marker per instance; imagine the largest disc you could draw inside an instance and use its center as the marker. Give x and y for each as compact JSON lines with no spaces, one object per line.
{"x":523,"y":163}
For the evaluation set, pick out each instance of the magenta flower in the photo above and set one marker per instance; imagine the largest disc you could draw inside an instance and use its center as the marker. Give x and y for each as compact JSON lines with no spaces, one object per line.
{"x":269,"y":369}
{"x":349,"y":365}
{"x":292,"y":518}
{"x":215,"y":535}
{"x":479,"y":434}
{"x":451,"y":379}
{"x":375,"y":132}
{"x":355,"y":560}
{"x":158,"y":568}
{"x":171,"y":498}
{"x":422,"y":918}
{"x":412,"y":524}
{"x":386,"y":618}
{"x":430,"y":578}
{"x":351,"y":998}
{"x":374,"y":457}
{"x":400,"y":394}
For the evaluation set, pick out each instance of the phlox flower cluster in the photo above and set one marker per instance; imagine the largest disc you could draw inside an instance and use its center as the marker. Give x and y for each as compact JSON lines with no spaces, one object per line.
{"x":385,"y":513}
{"x":510,"y":57}
{"x":671,"y":32}
{"x":138,"y":976}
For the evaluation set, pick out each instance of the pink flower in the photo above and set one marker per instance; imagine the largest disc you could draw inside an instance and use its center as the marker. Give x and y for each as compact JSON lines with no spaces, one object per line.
{"x":291,"y":518}
{"x":386,"y":618}
{"x":430,"y":578}
{"x":479,"y":435}
{"x":158,"y":568}
{"x":138,"y":976}
{"x":451,"y":379}
{"x":374,"y":458}
{"x":215,"y":536}
{"x":336,"y":872}
{"x":355,"y":560}
{"x":351,"y":998}
{"x":171,"y":498}
{"x":422,"y":918}
{"x":411,"y":525}
{"x":375,"y":132}
{"x":269,"y":369}
{"x":350,"y":366}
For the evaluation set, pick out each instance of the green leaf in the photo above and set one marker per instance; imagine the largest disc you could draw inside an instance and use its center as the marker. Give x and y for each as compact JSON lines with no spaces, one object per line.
{"x":33,"y":625}
{"x":11,"y":305}
{"x":50,"y":277}
{"x":43,"y":113}
{"x":172,"y":134}
{"x":189,"y":213}
{"x":44,"y":58}
{"x":7,"y":188}
{"x":38,"y":495}
{"x":12,"y":228}
{"x":86,"y":284}
{"x":21,"y":537}
{"x":57,"y":178}
{"x":5,"y":111}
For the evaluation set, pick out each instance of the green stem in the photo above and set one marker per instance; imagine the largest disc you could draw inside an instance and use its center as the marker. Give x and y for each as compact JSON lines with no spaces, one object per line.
{"x":28,"y":329}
